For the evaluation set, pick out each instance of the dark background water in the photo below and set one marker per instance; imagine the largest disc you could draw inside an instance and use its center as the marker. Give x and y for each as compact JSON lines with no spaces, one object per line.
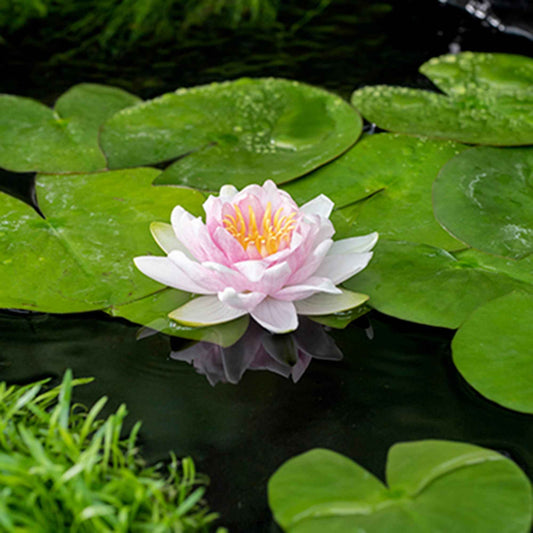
{"x":400,"y":386}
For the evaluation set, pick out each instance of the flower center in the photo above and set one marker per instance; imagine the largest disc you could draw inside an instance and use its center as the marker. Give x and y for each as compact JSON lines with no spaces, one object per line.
{"x":272,"y":234}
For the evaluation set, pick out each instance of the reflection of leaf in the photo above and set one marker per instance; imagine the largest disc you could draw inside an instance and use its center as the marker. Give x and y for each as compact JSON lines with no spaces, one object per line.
{"x":493,"y":351}
{"x":489,"y":101}
{"x":428,"y":285}
{"x":432,"y":486}
{"x":238,"y":132}
{"x":81,"y":256}
{"x":152,"y":311}
{"x":390,"y":177}
{"x":37,"y":138}
{"x":484,"y":197}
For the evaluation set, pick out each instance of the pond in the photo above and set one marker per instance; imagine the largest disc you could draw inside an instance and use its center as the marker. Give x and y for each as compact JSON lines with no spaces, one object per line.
{"x":395,"y":380}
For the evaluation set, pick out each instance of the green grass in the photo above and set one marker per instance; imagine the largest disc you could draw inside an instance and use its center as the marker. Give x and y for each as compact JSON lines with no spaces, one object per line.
{"x":63,"y":469}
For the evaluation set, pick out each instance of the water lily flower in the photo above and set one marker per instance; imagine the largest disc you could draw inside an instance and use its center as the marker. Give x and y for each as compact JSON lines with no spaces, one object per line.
{"x":257,"y":253}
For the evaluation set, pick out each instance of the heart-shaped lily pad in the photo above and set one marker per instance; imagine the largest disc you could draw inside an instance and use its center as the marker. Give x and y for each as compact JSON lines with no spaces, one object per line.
{"x":153,"y":312}
{"x":34,"y":137}
{"x":428,"y":285}
{"x":493,"y":350}
{"x":237,"y":132}
{"x":484,"y":197}
{"x":389,"y":180}
{"x":433,"y":486}
{"x":80,"y":257}
{"x":489,"y":100}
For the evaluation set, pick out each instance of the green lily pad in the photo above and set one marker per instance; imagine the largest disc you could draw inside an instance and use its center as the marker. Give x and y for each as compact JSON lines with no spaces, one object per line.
{"x":153,"y":311}
{"x":388,"y":178}
{"x":484,"y":197}
{"x":488,"y":100}
{"x":493,"y":351}
{"x":237,"y":132}
{"x":80,"y":257}
{"x":432,"y":486}
{"x":34,"y":137}
{"x":521,"y":270}
{"x":428,"y":285}
{"x":342,"y":319}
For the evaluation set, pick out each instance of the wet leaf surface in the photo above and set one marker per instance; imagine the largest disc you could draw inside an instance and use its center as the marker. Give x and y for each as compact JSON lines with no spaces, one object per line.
{"x":430,"y":286}
{"x":432,"y":486}
{"x":493,"y":350}
{"x":484,"y":197}
{"x":80,"y":257}
{"x":488,"y":100}
{"x":34,"y":137}
{"x":238,"y":132}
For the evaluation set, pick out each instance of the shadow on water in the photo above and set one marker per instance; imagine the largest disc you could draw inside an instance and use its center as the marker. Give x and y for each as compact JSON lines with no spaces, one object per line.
{"x":399,"y":386}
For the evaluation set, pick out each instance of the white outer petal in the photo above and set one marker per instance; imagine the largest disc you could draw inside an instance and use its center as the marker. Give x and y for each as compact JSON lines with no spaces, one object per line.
{"x":276,"y":316}
{"x":361,"y":244}
{"x":325,"y":304}
{"x":340,"y":267}
{"x":165,"y":271}
{"x":321,"y":205}
{"x":227,"y":192}
{"x":247,"y":301}
{"x":205,"y":311}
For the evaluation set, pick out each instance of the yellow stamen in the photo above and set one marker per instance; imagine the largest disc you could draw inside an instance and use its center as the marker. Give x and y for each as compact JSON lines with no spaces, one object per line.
{"x":268,"y":236}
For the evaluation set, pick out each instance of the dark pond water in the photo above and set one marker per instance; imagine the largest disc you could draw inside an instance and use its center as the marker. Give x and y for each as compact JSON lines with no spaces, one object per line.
{"x":400,"y":385}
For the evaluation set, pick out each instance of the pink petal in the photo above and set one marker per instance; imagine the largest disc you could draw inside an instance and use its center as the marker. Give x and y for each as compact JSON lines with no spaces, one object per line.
{"x":253,"y":269}
{"x":246,"y":301}
{"x":192,"y":232}
{"x":325,"y":304}
{"x":274,"y":278}
{"x":229,"y":245}
{"x":205,"y":311}
{"x":311,"y":263}
{"x":308,"y":288}
{"x":276,"y":316}
{"x":165,"y":271}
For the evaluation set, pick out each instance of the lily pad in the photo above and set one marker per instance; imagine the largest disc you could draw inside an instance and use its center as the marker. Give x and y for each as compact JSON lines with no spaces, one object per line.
{"x":80,"y":257}
{"x":388,"y":178}
{"x":237,"y":132}
{"x":493,"y":350}
{"x":484,"y":197}
{"x":519,"y":269}
{"x":34,"y":137}
{"x":432,"y":486}
{"x":488,"y":100}
{"x":428,"y":285}
{"x":153,"y":311}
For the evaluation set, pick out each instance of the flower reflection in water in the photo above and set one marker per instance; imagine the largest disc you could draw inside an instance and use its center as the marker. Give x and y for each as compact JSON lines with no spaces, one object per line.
{"x":288,"y":355}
